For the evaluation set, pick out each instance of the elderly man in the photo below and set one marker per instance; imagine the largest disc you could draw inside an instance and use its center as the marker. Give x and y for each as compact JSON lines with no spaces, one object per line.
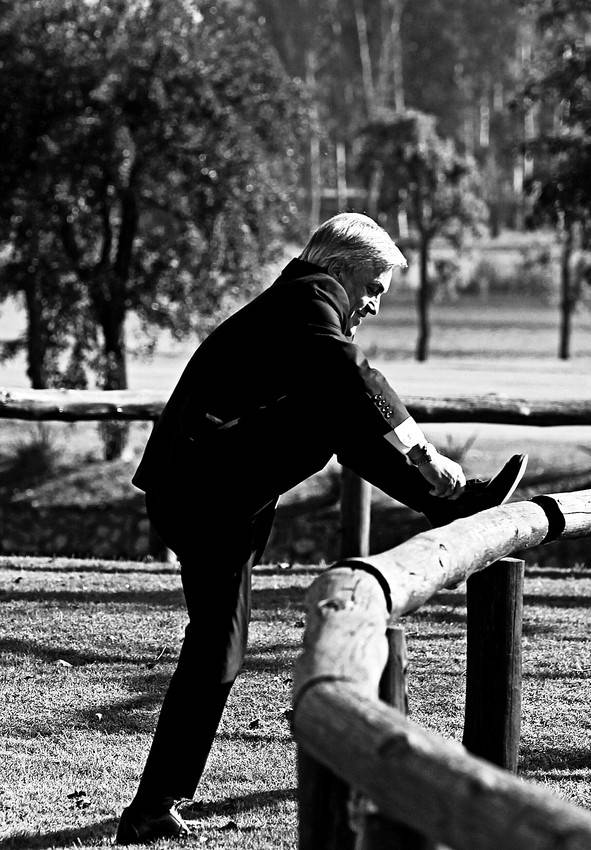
{"x":265,"y":401}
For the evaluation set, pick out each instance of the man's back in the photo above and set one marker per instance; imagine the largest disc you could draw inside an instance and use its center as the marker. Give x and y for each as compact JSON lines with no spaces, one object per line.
{"x":244,"y":376}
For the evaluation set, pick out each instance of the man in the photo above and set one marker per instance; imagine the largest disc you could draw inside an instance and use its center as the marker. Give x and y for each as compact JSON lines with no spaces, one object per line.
{"x":265,"y":401}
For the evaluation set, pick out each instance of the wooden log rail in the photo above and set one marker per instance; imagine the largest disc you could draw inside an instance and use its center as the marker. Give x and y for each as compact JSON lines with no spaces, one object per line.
{"x":415,"y":777}
{"x":127,"y":405}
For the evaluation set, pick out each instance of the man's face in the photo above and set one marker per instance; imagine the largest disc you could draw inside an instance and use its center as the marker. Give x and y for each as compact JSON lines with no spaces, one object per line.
{"x":365,"y":290}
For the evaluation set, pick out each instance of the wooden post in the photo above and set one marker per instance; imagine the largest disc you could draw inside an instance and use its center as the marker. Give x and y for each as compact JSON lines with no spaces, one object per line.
{"x":333,"y":599}
{"x":493,"y":673}
{"x":355,"y":515}
{"x":377,"y":832}
{"x":323,"y":807}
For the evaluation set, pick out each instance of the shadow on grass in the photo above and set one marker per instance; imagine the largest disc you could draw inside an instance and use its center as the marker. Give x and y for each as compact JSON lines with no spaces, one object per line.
{"x":76,"y":658}
{"x":104,"y":829}
{"x":237,"y":805}
{"x":431,"y":615}
{"x":275,"y":658}
{"x":561,"y":676}
{"x":556,"y":758}
{"x":290,"y":598}
{"x":155,"y":598}
{"x":544,"y":600}
{"x":415,"y":637}
{"x":108,"y":567}
{"x":528,"y":629}
{"x":565,"y":573}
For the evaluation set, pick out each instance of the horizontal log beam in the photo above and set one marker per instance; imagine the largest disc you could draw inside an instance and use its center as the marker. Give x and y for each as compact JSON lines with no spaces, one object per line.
{"x":431,"y":784}
{"x":348,"y":605}
{"x":80,"y":405}
{"x":411,"y":775}
{"x":413,"y":571}
{"x":500,"y":409}
{"x":73,"y":405}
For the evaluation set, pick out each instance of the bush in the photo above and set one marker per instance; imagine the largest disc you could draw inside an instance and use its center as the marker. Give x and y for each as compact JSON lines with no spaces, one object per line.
{"x":35,"y":457}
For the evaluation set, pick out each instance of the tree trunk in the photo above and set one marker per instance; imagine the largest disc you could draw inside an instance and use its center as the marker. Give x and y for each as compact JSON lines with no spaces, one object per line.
{"x":399,"y":104}
{"x":114,"y":434}
{"x":365,"y":56}
{"x":566,"y":295}
{"x":111,"y":310}
{"x":341,"y":164}
{"x":315,"y":170}
{"x":423,"y":302}
{"x":36,"y":347}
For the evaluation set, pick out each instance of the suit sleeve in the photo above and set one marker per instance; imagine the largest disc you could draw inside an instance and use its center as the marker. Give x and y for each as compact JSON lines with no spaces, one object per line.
{"x":358,"y":400}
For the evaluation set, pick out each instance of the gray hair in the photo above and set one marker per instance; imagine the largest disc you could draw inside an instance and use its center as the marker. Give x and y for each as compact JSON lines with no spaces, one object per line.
{"x":351,"y":240}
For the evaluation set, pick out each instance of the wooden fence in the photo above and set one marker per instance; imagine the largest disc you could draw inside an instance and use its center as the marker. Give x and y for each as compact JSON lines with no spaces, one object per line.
{"x":128,"y":405}
{"x":413,"y":789}
{"x":425,"y":791}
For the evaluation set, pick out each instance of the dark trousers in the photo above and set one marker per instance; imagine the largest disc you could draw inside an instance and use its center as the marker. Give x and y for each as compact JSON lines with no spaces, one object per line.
{"x":218,"y":540}
{"x":217,"y":551}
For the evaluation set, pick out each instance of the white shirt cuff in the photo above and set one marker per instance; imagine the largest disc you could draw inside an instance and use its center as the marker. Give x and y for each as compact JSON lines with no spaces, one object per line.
{"x":406,"y":435}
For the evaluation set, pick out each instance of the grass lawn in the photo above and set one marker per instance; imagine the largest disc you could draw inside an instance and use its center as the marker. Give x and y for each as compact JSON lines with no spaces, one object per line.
{"x":86,"y":649}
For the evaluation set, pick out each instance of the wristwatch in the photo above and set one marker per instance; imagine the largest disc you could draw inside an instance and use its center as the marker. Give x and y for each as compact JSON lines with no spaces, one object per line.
{"x":421,"y":454}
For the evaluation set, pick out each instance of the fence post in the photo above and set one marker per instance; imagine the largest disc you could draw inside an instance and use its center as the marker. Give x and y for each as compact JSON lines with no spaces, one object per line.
{"x":355,"y":515}
{"x":492,"y":721}
{"x":323,"y":807}
{"x":377,"y":832}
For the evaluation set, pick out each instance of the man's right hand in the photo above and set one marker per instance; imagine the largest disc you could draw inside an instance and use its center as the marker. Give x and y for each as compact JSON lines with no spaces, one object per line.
{"x":446,"y":477}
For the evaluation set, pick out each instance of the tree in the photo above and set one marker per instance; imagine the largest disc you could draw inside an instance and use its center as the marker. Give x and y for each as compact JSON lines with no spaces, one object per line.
{"x":151,"y":157}
{"x":437,"y":188}
{"x":559,"y":88}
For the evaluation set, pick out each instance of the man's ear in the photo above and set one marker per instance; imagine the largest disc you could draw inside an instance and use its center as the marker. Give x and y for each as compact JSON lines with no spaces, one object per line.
{"x":336,"y":268}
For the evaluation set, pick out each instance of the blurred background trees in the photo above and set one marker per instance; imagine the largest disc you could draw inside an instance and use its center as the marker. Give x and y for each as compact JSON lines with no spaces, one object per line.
{"x":156,"y":154}
{"x":558,"y":93}
{"x":425,"y":186}
{"x":150,"y":164}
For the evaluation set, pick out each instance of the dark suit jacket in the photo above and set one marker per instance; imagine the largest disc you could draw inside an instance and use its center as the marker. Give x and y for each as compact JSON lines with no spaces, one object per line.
{"x":269,"y":397}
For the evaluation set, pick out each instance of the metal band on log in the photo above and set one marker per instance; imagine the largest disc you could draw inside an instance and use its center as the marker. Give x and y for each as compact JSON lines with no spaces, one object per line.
{"x":72,"y":405}
{"x":414,"y":777}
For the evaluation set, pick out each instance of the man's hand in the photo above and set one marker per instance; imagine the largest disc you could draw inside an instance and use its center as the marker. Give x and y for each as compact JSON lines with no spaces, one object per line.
{"x":446,"y":477}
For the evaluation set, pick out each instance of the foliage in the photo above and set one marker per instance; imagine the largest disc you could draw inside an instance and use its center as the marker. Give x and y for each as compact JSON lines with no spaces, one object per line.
{"x":424,"y":175}
{"x":34,"y":457}
{"x":560,"y":87}
{"x":454,"y":59}
{"x":473,"y":52}
{"x":150,"y":158}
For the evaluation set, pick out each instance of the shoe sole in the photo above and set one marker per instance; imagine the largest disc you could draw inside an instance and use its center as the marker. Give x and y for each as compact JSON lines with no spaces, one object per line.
{"x":518,"y":476}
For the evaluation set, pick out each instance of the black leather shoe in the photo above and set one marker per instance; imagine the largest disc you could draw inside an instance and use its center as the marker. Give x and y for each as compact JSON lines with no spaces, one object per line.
{"x":481,"y":495}
{"x":141,"y":827}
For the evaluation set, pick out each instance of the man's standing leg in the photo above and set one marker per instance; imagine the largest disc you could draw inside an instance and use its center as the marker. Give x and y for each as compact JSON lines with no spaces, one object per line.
{"x":216,"y":568}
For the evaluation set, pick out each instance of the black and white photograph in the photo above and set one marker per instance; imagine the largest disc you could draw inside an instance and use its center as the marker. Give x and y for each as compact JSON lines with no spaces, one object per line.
{"x":295,"y":424}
